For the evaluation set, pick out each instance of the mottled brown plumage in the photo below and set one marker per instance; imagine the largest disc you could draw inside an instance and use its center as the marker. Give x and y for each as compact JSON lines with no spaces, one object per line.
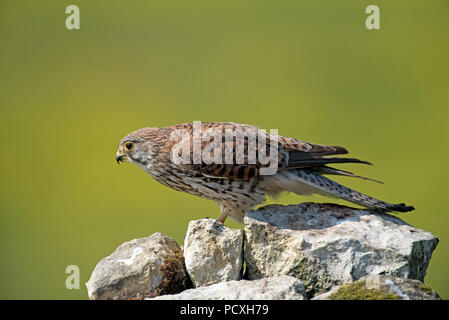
{"x":237,"y":184}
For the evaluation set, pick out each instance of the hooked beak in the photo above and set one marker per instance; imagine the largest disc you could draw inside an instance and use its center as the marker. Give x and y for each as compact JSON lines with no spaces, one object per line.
{"x":120,"y":156}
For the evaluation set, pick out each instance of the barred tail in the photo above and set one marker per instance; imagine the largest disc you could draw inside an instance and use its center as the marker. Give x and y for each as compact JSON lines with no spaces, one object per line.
{"x":331,"y":188}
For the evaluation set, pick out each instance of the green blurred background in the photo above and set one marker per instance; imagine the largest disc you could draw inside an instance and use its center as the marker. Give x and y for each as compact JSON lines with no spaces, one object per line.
{"x":309,"y":68}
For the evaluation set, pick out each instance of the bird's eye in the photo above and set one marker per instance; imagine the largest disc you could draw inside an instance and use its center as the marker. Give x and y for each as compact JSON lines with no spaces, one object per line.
{"x":129,"y":145}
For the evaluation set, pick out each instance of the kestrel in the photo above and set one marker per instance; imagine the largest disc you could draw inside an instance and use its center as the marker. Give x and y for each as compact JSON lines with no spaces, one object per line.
{"x":237,"y":183}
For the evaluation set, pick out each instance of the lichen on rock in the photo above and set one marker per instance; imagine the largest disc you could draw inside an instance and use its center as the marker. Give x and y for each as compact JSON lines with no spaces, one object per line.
{"x":359,"y":291}
{"x":380,"y":287}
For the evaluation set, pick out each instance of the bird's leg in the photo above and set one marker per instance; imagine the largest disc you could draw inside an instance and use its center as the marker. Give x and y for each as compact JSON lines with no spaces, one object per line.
{"x":224,"y":209}
{"x":234,"y":211}
{"x":222,"y":217}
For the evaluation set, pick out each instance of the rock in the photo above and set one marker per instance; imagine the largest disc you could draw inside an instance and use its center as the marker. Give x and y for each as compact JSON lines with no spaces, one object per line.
{"x":381,"y":287}
{"x":139,"y":268}
{"x":326,"y":245}
{"x":213,"y":253}
{"x":276,"y":288}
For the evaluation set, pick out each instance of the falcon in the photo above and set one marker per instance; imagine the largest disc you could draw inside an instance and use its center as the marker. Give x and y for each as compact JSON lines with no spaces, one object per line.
{"x":211,"y":161}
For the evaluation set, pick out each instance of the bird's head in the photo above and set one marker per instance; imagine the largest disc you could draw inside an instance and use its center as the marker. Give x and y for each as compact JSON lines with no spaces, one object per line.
{"x":138,"y":147}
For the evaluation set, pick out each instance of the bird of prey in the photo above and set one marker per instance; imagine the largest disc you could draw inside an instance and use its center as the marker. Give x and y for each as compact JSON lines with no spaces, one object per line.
{"x":238,"y":186}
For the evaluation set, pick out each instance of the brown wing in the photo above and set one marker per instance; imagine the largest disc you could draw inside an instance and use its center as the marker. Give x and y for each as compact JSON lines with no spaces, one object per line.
{"x":245,"y":162}
{"x":304,"y":154}
{"x":229,"y":171}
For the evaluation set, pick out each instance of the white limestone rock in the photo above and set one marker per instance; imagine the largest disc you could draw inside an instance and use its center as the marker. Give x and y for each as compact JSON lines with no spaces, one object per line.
{"x":326,"y":245}
{"x":139,"y":268}
{"x":213,"y":252}
{"x":276,"y":288}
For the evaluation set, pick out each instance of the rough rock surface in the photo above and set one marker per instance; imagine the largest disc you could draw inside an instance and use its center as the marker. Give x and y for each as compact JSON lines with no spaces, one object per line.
{"x":277,"y":288}
{"x":213,"y":253}
{"x":326,"y":245}
{"x":141,"y":267}
{"x":381,"y":287}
